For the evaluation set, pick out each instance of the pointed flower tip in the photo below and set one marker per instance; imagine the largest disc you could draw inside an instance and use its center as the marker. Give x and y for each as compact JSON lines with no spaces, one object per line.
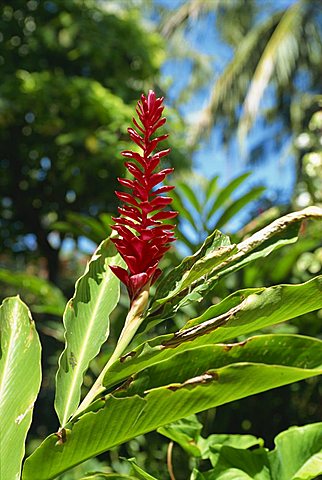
{"x":143,"y":236}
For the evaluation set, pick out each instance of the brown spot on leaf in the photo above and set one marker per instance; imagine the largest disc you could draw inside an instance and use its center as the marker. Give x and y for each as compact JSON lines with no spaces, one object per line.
{"x":72,"y":360}
{"x":62,"y":436}
{"x":207,"y":377}
{"x":201,"y":329}
{"x":128,"y":355}
{"x":124,"y":385}
{"x":173,"y":388}
{"x":229,"y":346}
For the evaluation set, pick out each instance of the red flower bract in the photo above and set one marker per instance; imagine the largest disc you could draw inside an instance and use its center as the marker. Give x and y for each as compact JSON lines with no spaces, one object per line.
{"x":143,"y":237}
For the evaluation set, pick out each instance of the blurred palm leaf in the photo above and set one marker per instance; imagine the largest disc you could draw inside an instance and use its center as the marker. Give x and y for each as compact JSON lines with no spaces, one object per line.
{"x":279,"y":57}
{"x":188,"y":10}
{"x":227,"y":84}
{"x":269,"y":48}
{"x":203,"y":206}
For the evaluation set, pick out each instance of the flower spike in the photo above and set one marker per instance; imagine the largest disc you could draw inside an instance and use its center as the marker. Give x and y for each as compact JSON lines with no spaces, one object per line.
{"x":143,"y":237}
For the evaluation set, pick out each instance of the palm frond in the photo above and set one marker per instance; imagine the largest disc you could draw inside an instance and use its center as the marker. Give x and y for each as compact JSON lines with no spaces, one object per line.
{"x":190,"y":9}
{"x":226,"y":81}
{"x":279,"y":57}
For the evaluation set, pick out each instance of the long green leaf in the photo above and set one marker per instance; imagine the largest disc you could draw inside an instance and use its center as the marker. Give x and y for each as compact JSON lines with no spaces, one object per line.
{"x":177,"y":204}
{"x":120,"y":419}
{"x":186,"y":432}
{"x":280,"y":232}
{"x":140,"y":473}
{"x":86,"y":322}
{"x":190,"y":195}
{"x":244,"y":312}
{"x":284,"y":350}
{"x":212,"y":243}
{"x":232,"y":463}
{"x":238,"y":205}
{"x":208,"y":255}
{"x":20,"y":377}
{"x":211,"y":188}
{"x":225,"y":194}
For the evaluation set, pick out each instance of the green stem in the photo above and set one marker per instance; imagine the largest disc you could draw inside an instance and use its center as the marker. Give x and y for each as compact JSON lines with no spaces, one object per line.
{"x":133,"y":321}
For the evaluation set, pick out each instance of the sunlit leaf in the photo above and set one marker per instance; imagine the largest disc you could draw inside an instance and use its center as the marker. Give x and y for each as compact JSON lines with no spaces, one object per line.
{"x":20,"y":377}
{"x":281,"y":232}
{"x":244,"y":312}
{"x":86,"y":321}
{"x":120,"y":419}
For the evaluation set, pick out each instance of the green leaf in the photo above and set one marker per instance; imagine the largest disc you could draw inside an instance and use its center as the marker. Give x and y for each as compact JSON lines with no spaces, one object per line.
{"x":172,"y":280}
{"x":186,"y":432}
{"x":298,"y":453}
{"x":236,"y":463}
{"x":279,"y":233}
{"x":215,"y":245}
{"x":238,"y":205}
{"x":20,"y":352}
{"x":211,"y":187}
{"x":211,"y":445}
{"x":297,"y":456}
{"x":177,"y":204}
{"x":244,"y":312}
{"x":277,"y":350}
{"x":201,"y":268}
{"x":88,"y":226}
{"x":188,"y":193}
{"x":86,"y":322}
{"x":48,"y":298}
{"x":139,"y":472}
{"x":196,"y":475}
{"x":120,"y":419}
{"x":84,"y":225}
{"x":225,"y":194}
{"x":109,"y":476}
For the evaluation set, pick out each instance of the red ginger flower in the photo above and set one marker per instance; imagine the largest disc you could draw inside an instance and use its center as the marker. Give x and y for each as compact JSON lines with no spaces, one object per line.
{"x":143,"y":237}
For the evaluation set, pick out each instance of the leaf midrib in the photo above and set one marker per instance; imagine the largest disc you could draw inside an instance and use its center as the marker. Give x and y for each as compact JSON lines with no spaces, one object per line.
{"x":79,"y":364}
{"x":7,"y":363}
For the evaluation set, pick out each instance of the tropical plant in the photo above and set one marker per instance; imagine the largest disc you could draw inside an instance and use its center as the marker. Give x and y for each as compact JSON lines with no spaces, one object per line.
{"x":147,"y":382}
